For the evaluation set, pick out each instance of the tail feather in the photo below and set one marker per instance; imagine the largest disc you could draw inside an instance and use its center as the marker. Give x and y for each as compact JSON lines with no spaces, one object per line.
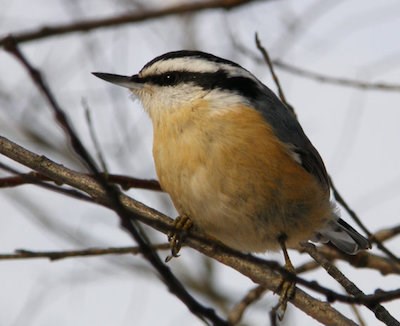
{"x":343,"y":236}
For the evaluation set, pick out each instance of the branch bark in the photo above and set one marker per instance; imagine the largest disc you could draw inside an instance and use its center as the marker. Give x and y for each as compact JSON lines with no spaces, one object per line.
{"x":247,"y":265}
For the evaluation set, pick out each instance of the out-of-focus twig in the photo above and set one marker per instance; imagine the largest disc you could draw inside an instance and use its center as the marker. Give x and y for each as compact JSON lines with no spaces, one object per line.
{"x":339,"y":81}
{"x":321,"y":77}
{"x":124,"y":181}
{"x":92,"y":132}
{"x":30,"y":178}
{"x":56,"y":255}
{"x":387,"y":233}
{"x":238,"y":310}
{"x":362,"y":259}
{"x":271,"y":69}
{"x":134,"y":17}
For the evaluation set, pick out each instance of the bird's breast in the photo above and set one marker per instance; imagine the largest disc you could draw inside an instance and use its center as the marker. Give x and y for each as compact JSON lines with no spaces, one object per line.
{"x":232,"y":176}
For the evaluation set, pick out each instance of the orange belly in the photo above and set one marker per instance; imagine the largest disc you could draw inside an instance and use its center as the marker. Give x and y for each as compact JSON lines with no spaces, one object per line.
{"x":236,"y":181}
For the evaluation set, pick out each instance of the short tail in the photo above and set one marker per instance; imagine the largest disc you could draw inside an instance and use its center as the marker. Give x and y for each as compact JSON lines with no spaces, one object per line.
{"x":342,"y":236}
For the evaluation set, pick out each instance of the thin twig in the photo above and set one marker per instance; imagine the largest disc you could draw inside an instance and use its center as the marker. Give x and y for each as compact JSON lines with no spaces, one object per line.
{"x":238,"y":310}
{"x":134,"y":17}
{"x":57,"y":255}
{"x":92,"y":132}
{"x":357,"y":313}
{"x":339,"y":81}
{"x":124,"y":181}
{"x":323,"y":78}
{"x":363,"y":259}
{"x":30,"y":178}
{"x":387,"y":234}
{"x":274,"y":76}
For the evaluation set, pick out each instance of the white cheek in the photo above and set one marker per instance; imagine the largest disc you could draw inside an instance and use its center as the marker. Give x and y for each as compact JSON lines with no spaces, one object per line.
{"x":157,"y":99}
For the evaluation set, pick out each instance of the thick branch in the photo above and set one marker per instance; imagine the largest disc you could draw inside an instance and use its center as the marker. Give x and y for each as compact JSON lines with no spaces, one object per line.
{"x":112,"y":193}
{"x":253,"y":268}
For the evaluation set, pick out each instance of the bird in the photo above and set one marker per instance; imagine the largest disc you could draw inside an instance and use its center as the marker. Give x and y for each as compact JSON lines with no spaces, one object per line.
{"x":234,"y":158}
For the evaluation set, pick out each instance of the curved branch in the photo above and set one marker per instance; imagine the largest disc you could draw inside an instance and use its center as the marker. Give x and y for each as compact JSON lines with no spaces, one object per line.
{"x":256,"y":269}
{"x":339,"y":81}
{"x":134,"y":17}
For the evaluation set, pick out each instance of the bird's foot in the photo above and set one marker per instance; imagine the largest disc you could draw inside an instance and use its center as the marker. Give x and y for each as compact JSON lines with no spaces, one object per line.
{"x":286,"y":288}
{"x":182,"y":225}
{"x":286,"y":292}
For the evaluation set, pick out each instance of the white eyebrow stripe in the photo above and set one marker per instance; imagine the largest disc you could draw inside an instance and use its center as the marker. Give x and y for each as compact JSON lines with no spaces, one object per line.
{"x":196,"y":65}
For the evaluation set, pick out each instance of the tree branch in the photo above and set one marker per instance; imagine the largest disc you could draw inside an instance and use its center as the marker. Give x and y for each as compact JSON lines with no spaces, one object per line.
{"x":126,"y":182}
{"x":339,"y":81}
{"x":135,"y":17}
{"x":236,"y":314}
{"x":260,"y":271}
{"x":320,"y":77}
{"x":380,"y":312}
{"x":128,"y":219}
{"x":57,"y":255}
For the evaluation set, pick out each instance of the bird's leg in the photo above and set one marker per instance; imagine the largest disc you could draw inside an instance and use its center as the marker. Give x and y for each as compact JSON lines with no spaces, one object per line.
{"x":182,"y":224}
{"x":286,"y":288}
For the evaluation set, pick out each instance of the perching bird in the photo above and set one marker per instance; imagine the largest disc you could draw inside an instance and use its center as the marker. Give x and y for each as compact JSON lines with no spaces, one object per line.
{"x":233,"y":158}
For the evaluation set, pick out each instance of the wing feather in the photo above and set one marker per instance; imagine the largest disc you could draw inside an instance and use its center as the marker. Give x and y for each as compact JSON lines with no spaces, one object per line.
{"x":288,"y":130}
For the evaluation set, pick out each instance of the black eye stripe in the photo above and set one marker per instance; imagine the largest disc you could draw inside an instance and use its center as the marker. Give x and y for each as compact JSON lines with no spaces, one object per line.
{"x":208,"y":81}
{"x":173,"y":78}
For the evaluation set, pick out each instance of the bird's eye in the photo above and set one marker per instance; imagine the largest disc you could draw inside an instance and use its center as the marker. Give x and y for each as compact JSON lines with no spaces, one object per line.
{"x":166,"y":79}
{"x":170,"y":78}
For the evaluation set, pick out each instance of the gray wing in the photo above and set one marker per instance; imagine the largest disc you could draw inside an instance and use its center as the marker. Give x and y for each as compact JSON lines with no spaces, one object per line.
{"x":289,"y":131}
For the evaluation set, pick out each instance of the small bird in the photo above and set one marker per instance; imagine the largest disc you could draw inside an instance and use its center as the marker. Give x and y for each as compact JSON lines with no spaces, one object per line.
{"x":234,"y":159}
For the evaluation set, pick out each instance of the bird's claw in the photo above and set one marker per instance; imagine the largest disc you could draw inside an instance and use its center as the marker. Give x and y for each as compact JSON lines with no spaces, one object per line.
{"x":182,"y":225}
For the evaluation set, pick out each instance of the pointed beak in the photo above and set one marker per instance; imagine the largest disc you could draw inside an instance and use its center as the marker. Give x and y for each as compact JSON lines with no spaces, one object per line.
{"x":131,"y":82}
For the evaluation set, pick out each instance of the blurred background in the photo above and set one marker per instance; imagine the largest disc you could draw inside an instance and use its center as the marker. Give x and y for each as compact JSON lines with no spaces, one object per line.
{"x":314,"y":43}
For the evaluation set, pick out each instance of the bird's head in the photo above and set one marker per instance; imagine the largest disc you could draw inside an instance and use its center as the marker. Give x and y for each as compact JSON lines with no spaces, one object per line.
{"x":178,"y":79}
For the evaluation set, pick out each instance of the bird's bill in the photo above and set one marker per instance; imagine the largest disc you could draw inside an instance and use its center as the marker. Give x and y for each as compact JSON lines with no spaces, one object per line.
{"x":130,"y":82}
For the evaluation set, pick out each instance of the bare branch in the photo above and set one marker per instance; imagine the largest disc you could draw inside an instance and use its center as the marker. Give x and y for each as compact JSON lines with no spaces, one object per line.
{"x":320,"y":77}
{"x":126,"y":182}
{"x":380,"y":312}
{"x":362,"y":259}
{"x":260,"y":271}
{"x":30,"y":178}
{"x":274,"y":76}
{"x":57,"y":255}
{"x":112,"y":193}
{"x":135,"y":17}
{"x":339,"y":81}
{"x":238,"y":310}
